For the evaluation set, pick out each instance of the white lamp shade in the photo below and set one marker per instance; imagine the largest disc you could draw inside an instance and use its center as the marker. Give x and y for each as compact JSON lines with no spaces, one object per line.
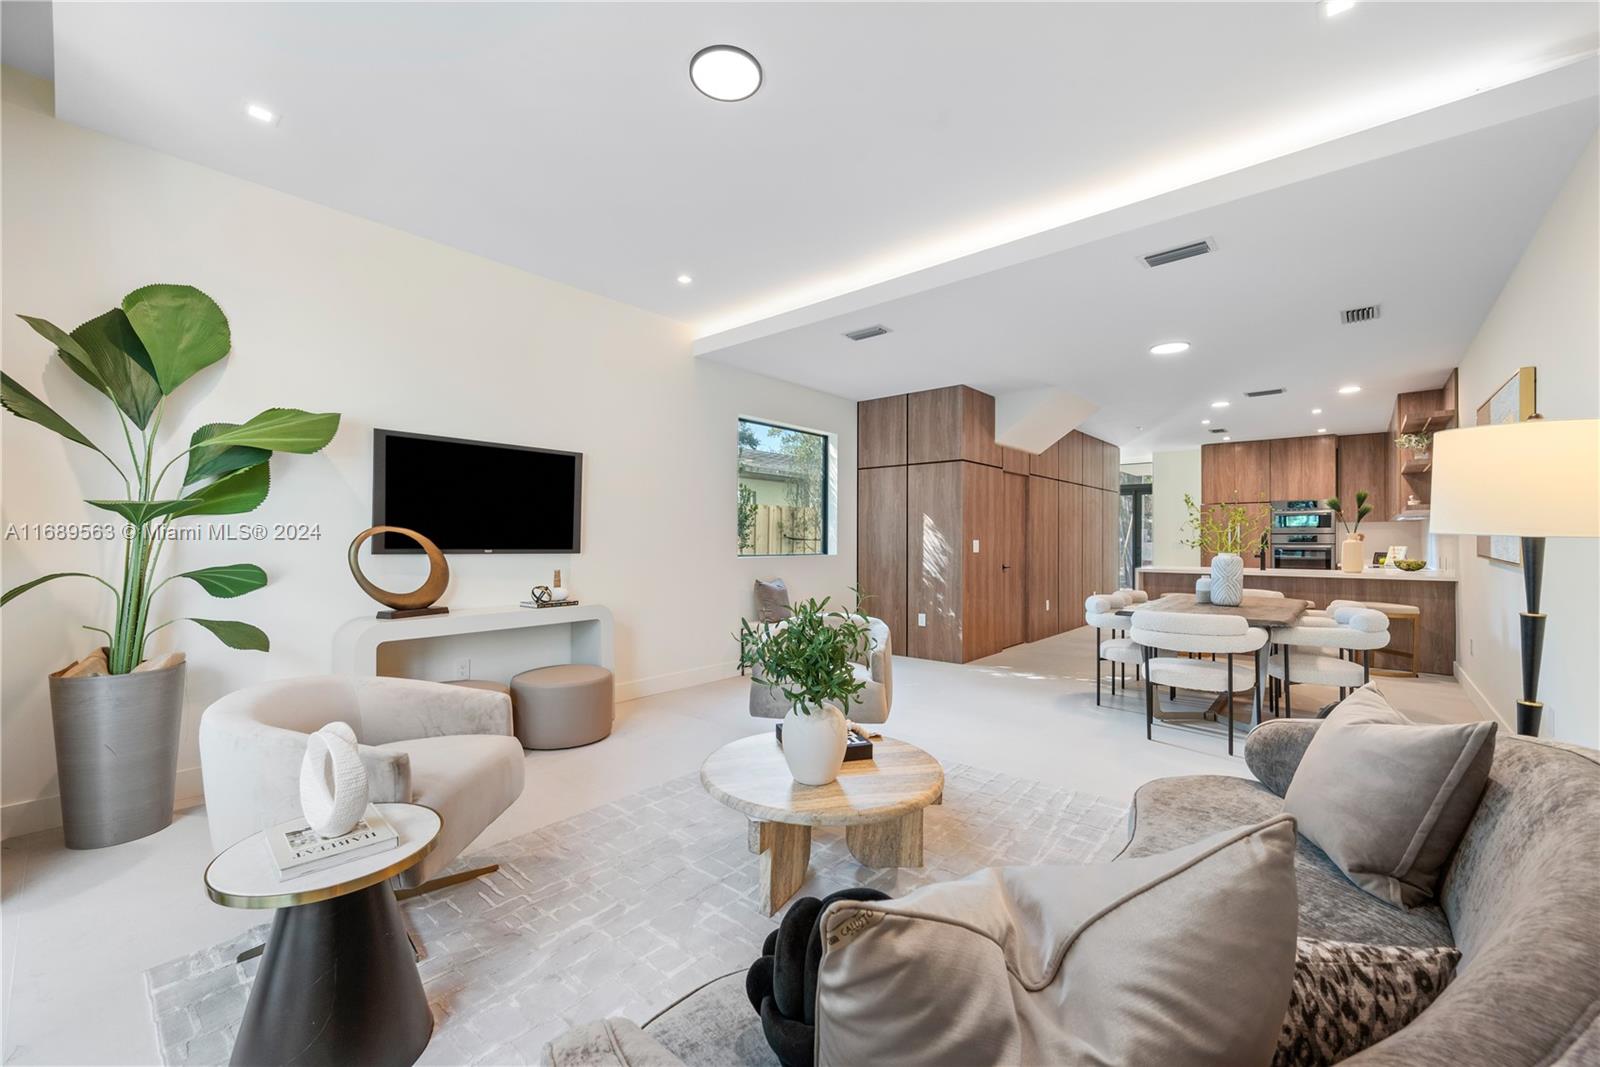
{"x":1539,"y":478}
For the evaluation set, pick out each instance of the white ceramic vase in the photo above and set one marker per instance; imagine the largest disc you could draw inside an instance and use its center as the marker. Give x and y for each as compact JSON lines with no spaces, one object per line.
{"x":1227,"y":579}
{"x":333,"y":783}
{"x":1202,"y":590}
{"x":1353,"y":554}
{"x":814,"y":742}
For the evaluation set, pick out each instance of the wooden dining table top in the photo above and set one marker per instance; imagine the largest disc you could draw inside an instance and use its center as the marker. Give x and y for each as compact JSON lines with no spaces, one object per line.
{"x":1265,"y":611}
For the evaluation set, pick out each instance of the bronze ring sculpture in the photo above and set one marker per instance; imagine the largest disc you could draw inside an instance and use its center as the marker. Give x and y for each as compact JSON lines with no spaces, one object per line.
{"x":419,"y":599}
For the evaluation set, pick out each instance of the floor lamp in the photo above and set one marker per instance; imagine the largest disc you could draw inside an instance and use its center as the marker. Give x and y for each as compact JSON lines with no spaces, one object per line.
{"x":1533,"y":480}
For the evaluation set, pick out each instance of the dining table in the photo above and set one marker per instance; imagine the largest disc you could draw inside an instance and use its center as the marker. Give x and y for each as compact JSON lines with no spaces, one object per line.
{"x":1267,"y":612}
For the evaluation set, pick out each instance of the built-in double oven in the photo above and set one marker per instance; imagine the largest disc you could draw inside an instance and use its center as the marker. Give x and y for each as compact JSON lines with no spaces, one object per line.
{"x":1303,"y":535}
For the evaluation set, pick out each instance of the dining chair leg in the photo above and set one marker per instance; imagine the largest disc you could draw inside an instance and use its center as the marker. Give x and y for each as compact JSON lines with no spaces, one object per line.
{"x":1255,"y":692}
{"x":1230,"y":703}
{"x":1149,"y":700}
{"x":1288,"y":692}
{"x":1097,"y":666}
{"x":1366,"y":665}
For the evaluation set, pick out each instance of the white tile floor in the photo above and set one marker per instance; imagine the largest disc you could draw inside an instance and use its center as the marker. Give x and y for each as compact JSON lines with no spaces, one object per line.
{"x":78,"y":929}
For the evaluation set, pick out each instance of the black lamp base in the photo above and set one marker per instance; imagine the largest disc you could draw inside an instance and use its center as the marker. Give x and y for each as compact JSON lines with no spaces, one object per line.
{"x":1530,"y":711}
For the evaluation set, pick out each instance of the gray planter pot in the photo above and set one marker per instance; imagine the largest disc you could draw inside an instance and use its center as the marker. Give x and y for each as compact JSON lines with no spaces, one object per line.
{"x":116,"y":753}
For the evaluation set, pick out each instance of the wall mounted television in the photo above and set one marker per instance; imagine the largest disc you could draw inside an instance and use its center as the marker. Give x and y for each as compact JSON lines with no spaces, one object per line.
{"x":475,"y":496}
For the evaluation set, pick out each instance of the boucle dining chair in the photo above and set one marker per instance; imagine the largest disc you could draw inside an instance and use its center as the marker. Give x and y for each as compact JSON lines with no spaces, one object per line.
{"x":1100,"y":611}
{"x":1305,"y":653}
{"x":1228,"y":636}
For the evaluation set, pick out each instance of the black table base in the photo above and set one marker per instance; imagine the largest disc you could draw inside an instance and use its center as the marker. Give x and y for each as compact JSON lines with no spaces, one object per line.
{"x":338,"y":986}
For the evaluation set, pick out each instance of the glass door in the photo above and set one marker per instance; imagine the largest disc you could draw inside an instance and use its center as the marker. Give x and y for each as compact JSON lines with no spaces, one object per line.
{"x":1135,"y":532}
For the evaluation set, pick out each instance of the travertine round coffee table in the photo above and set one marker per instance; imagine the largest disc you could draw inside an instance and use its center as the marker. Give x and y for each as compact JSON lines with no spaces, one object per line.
{"x":879,"y":802}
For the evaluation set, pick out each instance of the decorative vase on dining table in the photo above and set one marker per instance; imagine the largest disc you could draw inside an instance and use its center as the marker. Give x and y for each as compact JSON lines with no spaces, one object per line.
{"x":1353,"y":554}
{"x":1227,"y":579}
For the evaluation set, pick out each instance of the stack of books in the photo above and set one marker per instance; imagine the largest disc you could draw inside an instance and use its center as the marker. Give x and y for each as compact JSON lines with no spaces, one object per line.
{"x":299,"y":850}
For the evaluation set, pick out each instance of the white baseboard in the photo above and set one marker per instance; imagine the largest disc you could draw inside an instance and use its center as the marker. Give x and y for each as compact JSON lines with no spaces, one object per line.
{"x":44,"y":813}
{"x":1479,"y":700}
{"x":666,"y":683}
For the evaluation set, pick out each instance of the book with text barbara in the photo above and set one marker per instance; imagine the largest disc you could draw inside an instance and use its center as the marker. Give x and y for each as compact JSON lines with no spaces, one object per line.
{"x":298,"y":850}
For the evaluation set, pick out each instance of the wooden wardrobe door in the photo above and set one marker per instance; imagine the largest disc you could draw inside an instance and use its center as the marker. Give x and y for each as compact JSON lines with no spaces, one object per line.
{"x":1014,"y":544}
{"x":934,"y":557}
{"x":881,"y":546}
{"x":1042,"y":593}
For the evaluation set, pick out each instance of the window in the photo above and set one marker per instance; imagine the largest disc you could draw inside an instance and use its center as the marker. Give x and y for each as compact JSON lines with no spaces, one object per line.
{"x":784,"y":490}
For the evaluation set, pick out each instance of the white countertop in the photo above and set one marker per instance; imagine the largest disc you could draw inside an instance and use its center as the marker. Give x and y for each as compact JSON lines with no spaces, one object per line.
{"x":1381,"y":574}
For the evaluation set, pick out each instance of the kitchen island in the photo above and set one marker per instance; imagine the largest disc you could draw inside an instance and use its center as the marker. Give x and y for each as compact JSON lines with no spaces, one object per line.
{"x":1432,"y":592}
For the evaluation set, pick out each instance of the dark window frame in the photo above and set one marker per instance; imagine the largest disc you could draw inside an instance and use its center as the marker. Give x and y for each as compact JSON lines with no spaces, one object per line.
{"x":825,"y":532}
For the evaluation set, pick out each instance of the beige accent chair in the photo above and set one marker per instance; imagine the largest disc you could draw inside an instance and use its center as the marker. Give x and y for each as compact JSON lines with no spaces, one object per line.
{"x":447,"y":747}
{"x":767,"y":702}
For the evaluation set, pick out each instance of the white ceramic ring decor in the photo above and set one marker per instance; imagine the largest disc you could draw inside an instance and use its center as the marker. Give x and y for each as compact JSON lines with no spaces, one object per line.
{"x":333,"y":783}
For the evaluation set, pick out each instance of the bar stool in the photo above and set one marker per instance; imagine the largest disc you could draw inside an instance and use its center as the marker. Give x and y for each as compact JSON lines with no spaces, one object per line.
{"x":1412,"y":615}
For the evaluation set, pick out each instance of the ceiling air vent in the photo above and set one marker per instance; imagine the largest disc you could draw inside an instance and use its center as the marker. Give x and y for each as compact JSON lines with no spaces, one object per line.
{"x":1366,"y":314}
{"x":866,"y":332}
{"x":1219,"y":429}
{"x":1266,"y":392}
{"x":1172,"y":255}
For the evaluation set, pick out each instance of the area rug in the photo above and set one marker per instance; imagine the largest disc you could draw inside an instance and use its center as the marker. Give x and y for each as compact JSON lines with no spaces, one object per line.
{"x":627,"y":907}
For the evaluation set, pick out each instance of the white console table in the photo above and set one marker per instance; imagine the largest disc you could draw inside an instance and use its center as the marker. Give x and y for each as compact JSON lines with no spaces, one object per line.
{"x":496,"y":643}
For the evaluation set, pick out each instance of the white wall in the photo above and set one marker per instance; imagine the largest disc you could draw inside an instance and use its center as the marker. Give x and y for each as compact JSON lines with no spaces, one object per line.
{"x":1173,"y":475}
{"x":1548,"y":316}
{"x":333,"y":313}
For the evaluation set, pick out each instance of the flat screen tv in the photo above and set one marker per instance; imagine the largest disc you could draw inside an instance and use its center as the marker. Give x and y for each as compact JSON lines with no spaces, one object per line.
{"x":474,"y":496}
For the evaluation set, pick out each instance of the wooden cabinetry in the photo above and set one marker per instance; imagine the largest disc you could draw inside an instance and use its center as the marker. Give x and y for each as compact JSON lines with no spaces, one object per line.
{"x":1363,"y":466}
{"x":1236,"y":471}
{"x":1303,"y":468}
{"x":881,"y":432}
{"x":952,"y":423}
{"x":933,"y":483}
{"x":1041,"y":598}
{"x":1409,"y":472}
{"x":881,"y":545}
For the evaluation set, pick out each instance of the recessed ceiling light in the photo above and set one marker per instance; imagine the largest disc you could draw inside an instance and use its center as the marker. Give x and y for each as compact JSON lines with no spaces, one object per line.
{"x":684,"y":279}
{"x":1316,"y":411}
{"x":261,"y":114}
{"x":1322,"y":429}
{"x":724,"y":72}
{"x":1348,"y":389}
{"x":1227,"y":438}
{"x":1205,"y":422}
{"x":1219,"y":403}
{"x":1170,"y":348}
{"x":1331,"y":8}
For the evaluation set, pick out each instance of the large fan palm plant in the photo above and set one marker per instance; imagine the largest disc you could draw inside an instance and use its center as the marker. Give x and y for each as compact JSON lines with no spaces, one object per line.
{"x":137,"y":355}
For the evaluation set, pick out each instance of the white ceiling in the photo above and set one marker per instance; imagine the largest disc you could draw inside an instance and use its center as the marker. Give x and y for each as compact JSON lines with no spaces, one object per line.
{"x":981,"y":178}
{"x":565,"y":139}
{"x":1428,"y":234}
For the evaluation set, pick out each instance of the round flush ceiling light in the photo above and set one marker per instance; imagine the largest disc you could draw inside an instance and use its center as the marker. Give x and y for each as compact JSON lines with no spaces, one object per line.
{"x":1219,"y":403}
{"x":724,"y":72}
{"x":1348,"y":389}
{"x":684,"y":279}
{"x":1170,"y":348}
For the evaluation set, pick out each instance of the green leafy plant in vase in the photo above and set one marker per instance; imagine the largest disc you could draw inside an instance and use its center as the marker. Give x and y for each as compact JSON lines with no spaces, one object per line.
{"x":1352,"y":553}
{"x":116,"y":714}
{"x":1228,"y":532}
{"x":810,"y":658}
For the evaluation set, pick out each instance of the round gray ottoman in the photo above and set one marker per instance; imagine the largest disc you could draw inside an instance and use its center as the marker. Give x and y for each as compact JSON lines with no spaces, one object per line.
{"x":563,"y":706}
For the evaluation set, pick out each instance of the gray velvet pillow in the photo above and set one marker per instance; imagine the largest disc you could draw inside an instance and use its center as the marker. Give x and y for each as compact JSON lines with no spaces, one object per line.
{"x":1180,"y":958}
{"x":1388,"y":799}
{"x":1349,"y":997}
{"x":772,"y":600}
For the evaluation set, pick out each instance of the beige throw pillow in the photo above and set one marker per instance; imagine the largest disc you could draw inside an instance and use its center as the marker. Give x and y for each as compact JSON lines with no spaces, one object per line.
{"x":1388,"y":799}
{"x":1182,"y":958}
